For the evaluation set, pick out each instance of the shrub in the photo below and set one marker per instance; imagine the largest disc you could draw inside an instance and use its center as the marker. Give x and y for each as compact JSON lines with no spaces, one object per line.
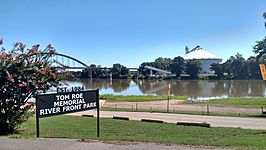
{"x":23,"y":72}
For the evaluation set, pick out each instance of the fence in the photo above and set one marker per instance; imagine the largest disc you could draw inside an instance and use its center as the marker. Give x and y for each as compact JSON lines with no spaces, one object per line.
{"x":175,"y":107}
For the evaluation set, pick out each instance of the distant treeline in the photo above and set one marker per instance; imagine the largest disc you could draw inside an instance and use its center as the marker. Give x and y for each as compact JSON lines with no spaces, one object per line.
{"x":236,"y":67}
{"x":118,"y":71}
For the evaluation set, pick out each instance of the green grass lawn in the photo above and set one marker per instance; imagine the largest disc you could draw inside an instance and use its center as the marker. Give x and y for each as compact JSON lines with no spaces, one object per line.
{"x":137,"y":98}
{"x":135,"y":131}
{"x":235,"y":102}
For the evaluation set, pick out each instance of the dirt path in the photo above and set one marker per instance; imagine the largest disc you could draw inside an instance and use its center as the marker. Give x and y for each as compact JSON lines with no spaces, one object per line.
{"x":175,"y":105}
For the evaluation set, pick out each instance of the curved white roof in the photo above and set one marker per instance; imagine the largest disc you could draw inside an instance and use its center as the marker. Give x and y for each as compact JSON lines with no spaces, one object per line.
{"x":200,"y":53}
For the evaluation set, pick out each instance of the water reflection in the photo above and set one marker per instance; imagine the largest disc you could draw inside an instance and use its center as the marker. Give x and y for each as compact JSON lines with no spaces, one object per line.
{"x":116,"y":85}
{"x":241,"y":88}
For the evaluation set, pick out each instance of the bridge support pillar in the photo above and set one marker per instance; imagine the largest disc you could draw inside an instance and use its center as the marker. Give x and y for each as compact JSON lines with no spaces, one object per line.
{"x":151,"y":72}
{"x":89,"y":72}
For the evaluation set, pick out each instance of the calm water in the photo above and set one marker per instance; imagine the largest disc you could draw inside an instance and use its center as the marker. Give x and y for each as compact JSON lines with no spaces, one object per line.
{"x":224,"y":88}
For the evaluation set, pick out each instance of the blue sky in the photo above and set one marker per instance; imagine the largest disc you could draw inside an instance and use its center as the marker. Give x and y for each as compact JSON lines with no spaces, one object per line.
{"x":134,"y":31}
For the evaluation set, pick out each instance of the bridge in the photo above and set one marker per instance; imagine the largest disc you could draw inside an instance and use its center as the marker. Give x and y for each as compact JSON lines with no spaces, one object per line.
{"x":70,"y":62}
{"x":158,"y":71}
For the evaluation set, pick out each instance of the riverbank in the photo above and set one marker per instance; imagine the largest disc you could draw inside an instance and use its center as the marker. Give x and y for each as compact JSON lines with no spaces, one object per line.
{"x":135,"y":131}
{"x":137,"y":98}
{"x":234,"y":102}
{"x":240,"y":107}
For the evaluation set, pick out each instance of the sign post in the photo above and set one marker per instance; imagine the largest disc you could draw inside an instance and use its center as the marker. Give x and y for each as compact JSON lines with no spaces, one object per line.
{"x":169,"y":93}
{"x":67,"y":102}
{"x":37,"y":119}
{"x":98,"y":114}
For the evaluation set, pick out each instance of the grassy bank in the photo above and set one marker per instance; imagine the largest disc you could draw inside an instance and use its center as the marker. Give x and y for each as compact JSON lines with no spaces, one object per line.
{"x":116,"y":130}
{"x":235,"y":102}
{"x":137,"y":98}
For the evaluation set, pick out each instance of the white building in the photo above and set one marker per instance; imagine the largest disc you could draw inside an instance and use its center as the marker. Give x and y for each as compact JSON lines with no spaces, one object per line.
{"x":206,"y":58}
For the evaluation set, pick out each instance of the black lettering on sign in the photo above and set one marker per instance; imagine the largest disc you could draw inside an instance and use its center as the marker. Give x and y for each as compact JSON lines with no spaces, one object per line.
{"x":71,"y":89}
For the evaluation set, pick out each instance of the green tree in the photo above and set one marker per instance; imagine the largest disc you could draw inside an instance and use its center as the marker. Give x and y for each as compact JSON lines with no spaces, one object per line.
{"x":178,"y":66}
{"x":218,"y":69}
{"x":119,"y":71}
{"x":193,"y":68}
{"x":238,"y":67}
{"x":260,"y":47}
{"x":142,"y":70}
{"x":162,"y":63}
{"x":105,"y":73}
{"x":22,"y":72}
{"x":227,"y":67}
{"x":93,"y":70}
{"x":253,"y":68}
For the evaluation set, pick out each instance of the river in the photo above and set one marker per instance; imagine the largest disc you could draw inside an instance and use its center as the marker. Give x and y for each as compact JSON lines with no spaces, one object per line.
{"x":190,"y":88}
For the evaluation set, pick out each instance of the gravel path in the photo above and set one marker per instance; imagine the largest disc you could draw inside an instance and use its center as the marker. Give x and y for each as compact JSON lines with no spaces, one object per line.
{"x":175,"y":105}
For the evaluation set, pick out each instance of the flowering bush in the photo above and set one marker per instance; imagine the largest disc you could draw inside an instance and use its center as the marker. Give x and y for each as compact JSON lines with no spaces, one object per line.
{"x":23,"y":72}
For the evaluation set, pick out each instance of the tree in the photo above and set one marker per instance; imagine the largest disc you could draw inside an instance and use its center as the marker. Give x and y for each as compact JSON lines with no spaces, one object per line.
{"x":162,"y":63}
{"x":238,"y":67}
{"x":227,"y":66}
{"x":253,"y":68}
{"x":144,"y":71}
{"x":218,"y":69}
{"x":260,"y":47}
{"x":193,"y":68}
{"x":119,"y":71}
{"x":93,"y":70}
{"x":23,"y":72}
{"x":178,"y":66}
{"x":104,"y":73}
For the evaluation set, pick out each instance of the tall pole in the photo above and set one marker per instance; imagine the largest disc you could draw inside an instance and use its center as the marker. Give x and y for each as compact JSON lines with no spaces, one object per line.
{"x":37,"y":119}
{"x":168,"y":93}
{"x":98,"y":114}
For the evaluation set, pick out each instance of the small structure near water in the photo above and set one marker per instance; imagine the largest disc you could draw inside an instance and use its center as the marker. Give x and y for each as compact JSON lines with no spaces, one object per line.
{"x":206,"y":58}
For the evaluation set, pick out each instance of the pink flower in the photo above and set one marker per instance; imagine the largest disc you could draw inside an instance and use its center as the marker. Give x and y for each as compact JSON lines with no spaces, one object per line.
{"x":3,"y":55}
{"x":1,"y":41}
{"x":34,"y":74}
{"x":53,"y":75}
{"x":51,"y":51}
{"x":42,"y":72}
{"x":10,"y":78}
{"x":9,"y":55}
{"x":22,"y":84}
